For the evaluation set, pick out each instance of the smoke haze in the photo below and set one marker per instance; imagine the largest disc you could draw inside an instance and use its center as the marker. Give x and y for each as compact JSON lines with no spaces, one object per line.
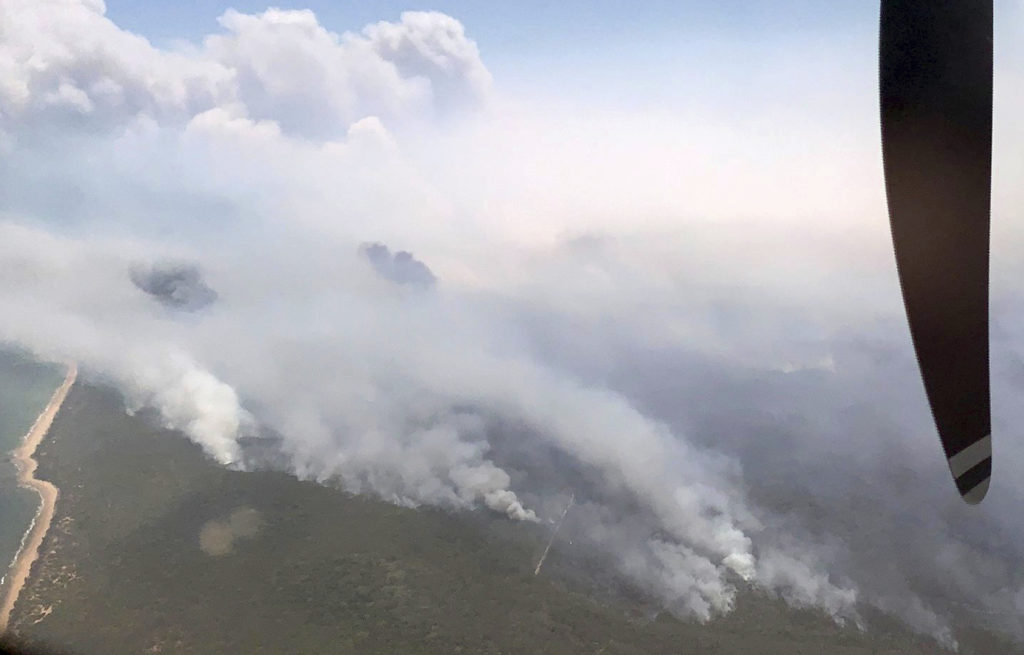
{"x":694,"y":325}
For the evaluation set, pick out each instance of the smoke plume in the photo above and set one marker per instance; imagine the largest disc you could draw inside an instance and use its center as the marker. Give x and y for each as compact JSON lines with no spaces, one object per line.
{"x":400,"y":267}
{"x":726,"y":385}
{"x":178,"y":286}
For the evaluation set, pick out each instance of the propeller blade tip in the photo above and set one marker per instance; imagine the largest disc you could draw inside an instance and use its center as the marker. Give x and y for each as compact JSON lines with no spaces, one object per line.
{"x":977,"y":494}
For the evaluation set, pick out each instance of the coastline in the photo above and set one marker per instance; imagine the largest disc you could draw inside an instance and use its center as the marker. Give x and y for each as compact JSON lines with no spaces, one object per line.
{"x":23,"y":457}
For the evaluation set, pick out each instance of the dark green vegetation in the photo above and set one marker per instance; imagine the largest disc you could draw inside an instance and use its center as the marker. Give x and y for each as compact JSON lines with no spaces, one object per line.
{"x":124,"y":569}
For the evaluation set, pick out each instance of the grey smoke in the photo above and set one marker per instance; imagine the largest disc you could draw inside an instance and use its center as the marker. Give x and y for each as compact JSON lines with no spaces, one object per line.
{"x":733,"y":401}
{"x":399,"y":267}
{"x":177,"y":286}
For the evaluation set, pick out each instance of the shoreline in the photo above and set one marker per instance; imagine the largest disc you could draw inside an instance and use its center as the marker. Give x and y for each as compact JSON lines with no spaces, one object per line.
{"x":24,"y":460}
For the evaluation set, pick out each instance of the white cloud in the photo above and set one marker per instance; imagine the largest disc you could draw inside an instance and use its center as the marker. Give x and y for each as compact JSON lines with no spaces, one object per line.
{"x":63,"y":63}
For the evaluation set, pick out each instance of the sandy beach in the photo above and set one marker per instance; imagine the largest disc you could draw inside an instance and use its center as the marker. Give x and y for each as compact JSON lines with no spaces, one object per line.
{"x":26,"y":463}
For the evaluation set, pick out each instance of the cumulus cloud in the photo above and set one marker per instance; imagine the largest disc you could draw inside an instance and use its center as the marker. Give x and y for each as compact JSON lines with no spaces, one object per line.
{"x":733,"y":400}
{"x":314,"y":82}
{"x":66,"y":64}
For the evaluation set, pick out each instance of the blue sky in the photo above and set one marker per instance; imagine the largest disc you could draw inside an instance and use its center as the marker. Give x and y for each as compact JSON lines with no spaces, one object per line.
{"x":521,"y":26}
{"x":624,"y":51}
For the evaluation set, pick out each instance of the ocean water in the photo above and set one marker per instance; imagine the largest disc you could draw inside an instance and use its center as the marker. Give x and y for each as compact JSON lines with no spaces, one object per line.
{"x":25,"y":388}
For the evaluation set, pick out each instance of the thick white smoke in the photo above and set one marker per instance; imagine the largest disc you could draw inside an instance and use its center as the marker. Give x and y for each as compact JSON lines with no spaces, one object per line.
{"x":716,"y":404}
